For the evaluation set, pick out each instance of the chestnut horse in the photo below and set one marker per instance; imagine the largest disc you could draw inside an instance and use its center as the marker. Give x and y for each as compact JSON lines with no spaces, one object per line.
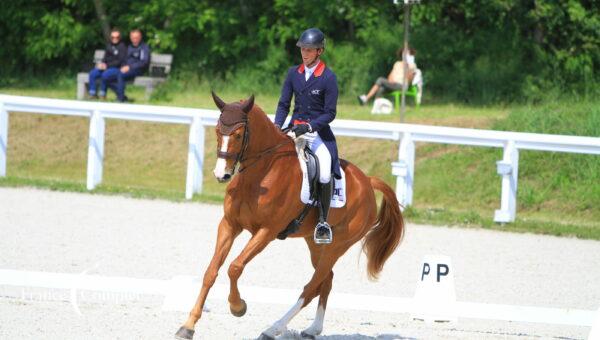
{"x":265,"y":196}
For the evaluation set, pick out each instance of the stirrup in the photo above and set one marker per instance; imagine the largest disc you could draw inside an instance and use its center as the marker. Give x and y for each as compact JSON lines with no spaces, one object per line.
{"x":325,"y":236}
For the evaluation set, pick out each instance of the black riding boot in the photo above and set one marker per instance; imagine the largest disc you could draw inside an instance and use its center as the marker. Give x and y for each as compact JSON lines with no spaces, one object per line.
{"x":323,"y":233}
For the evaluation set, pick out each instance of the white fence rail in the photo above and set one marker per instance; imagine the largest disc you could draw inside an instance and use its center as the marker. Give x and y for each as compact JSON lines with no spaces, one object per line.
{"x":198,"y":119}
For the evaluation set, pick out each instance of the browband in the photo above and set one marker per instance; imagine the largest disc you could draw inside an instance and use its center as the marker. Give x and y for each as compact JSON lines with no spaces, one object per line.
{"x":226,"y":129}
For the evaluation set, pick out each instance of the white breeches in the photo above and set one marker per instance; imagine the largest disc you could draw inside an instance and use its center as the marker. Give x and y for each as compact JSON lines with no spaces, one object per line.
{"x":318,"y":147}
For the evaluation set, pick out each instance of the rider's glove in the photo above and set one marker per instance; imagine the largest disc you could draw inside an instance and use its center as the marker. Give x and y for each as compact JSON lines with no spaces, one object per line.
{"x":300,"y":129}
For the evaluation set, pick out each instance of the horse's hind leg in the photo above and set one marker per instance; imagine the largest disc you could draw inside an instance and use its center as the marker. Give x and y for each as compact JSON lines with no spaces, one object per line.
{"x":225,"y":237}
{"x":317,"y":326}
{"x":257,"y":243}
{"x":323,"y":272}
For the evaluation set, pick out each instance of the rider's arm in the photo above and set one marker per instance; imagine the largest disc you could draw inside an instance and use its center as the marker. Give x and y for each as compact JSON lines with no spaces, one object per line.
{"x":283,"y":107}
{"x":329,"y":107}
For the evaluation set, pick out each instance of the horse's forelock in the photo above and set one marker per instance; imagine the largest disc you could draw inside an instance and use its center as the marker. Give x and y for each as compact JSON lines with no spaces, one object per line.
{"x":232,"y":113}
{"x":232,"y":116}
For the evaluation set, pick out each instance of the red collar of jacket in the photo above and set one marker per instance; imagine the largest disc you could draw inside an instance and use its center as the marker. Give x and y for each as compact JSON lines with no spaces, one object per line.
{"x":318,"y":71}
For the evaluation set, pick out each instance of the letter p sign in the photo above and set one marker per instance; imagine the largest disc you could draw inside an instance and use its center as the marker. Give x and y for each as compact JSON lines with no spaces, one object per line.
{"x":435,"y":295}
{"x":442,"y":269}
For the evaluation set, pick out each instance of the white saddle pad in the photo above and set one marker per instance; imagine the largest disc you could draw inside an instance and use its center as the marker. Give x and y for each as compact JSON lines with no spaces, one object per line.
{"x":338,"y":199}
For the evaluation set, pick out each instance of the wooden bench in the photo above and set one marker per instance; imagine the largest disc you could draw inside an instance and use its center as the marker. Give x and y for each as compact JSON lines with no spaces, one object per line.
{"x":160,"y":67}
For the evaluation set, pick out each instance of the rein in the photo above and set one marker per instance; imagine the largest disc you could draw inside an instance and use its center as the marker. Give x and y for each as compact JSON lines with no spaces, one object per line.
{"x":239,"y":157}
{"x":262,"y":153}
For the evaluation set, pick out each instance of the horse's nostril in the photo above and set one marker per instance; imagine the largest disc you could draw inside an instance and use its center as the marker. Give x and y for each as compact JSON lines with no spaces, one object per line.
{"x":227,"y":176}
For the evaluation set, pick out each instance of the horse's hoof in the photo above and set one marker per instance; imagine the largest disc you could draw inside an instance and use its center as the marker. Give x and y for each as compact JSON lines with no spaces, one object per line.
{"x":184,"y":334}
{"x":307,"y":336}
{"x":241,"y":312}
{"x":263,"y":336}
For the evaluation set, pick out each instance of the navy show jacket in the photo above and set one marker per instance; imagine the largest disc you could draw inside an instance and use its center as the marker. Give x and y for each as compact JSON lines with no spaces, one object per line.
{"x":138,"y":57}
{"x":315,"y":102}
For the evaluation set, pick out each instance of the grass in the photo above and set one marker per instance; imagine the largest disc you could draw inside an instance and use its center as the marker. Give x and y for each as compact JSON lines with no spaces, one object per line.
{"x":471,"y":219}
{"x":198,"y":95}
{"x":454,"y":185}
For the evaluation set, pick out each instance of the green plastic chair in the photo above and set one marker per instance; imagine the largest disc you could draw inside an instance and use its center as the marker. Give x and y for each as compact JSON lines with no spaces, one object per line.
{"x":410,"y":92}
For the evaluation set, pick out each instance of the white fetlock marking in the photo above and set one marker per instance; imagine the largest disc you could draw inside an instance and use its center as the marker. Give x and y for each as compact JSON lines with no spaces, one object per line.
{"x":281,"y":325}
{"x":221,"y":162}
{"x":317,"y":326}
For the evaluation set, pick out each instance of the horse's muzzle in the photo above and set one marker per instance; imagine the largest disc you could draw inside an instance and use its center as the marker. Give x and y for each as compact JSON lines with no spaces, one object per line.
{"x":224,"y":179}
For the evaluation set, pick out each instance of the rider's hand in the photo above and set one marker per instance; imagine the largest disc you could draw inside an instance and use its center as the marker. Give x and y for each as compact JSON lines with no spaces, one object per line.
{"x":300,"y":129}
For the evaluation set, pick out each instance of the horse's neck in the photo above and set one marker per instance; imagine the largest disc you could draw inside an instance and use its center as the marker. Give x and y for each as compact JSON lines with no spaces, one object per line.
{"x":263,"y":133}
{"x":264,"y":140}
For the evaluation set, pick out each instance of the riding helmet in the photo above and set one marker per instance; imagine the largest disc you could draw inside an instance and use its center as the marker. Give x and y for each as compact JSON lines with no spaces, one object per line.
{"x":312,"y":38}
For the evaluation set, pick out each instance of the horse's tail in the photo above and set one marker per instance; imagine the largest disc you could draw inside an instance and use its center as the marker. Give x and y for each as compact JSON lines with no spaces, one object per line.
{"x":381,"y":241}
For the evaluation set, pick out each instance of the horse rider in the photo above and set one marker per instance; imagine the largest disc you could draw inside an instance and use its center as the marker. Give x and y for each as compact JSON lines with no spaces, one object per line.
{"x":315,"y":91}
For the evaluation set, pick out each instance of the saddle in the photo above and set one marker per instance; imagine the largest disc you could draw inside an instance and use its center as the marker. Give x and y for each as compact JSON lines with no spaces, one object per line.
{"x":312,"y":167}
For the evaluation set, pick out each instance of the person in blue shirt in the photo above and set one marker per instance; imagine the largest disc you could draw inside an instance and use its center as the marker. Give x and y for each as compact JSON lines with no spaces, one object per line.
{"x":137,"y":62}
{"x":314,"y":88}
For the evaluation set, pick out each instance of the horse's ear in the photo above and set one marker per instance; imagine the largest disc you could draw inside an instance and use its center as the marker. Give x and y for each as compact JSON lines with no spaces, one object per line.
{"x":218,"y":101}
{"x":247,"y":106}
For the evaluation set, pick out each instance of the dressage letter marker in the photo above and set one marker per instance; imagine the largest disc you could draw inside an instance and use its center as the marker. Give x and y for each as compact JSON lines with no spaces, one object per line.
{"x":439,"y":271}
{"x":435,"y":297}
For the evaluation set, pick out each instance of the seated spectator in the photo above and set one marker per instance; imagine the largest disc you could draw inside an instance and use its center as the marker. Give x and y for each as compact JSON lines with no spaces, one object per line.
{"x":114,"y":57}
{"x":138,"y":59}
{"x":395,"y":78}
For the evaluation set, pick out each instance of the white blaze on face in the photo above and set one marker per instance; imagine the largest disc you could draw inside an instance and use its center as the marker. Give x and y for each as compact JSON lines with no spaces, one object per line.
{"x":221,"y":162}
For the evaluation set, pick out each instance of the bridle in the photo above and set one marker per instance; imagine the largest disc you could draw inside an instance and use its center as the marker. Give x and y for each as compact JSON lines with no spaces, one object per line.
{"x":227,"y":130}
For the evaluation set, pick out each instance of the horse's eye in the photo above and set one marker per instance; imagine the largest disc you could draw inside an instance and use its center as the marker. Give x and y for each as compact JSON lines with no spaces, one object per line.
{"x":238,"y":137}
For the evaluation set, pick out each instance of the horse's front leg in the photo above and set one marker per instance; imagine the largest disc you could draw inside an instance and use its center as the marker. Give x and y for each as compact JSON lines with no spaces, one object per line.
{"x":257,"y":243}
{"x":225,"y":237}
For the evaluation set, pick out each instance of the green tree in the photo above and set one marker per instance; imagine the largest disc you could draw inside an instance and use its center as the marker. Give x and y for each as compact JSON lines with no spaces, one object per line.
{"x":472,"y":50}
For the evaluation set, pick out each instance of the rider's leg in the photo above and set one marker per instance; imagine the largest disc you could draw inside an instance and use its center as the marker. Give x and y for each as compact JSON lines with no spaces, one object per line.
{"x":319,"y":148}
{"x":325,"y":199}
{"x":323,"y":232}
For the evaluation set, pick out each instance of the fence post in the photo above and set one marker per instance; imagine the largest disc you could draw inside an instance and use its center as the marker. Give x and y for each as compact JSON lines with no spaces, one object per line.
{"x":193,"y":183}
{"x":95,"y":150}
{"x":3,"y":139}
{"x":404,"y":169}
{"x":508,"y":168}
